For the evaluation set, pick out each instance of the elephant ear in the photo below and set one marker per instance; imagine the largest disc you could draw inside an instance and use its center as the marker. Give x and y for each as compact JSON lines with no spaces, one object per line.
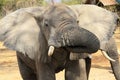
{"x":97,"y":20}
{"x":20,"y":32}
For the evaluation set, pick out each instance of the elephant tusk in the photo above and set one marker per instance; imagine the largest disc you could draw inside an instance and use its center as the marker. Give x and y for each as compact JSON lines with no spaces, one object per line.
{"x":106,"y":56}
{"x":90,"y":56}
{"x":119,"y":52}
{"x":51,"y":50}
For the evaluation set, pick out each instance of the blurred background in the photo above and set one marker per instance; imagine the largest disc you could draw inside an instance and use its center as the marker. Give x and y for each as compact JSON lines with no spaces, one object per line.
{"x":7,"y":6}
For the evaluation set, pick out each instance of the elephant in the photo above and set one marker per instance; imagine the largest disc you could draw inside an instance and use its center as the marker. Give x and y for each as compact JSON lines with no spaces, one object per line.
{"x":45,"y":38}
{"x":110,"y":48}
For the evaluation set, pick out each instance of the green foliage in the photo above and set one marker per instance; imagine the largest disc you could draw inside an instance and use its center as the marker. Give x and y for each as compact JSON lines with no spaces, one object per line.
{"x":4,"y":2}
{"x":71,"y":2}
{"x":11,"y":5}
{"x":1,"y":3}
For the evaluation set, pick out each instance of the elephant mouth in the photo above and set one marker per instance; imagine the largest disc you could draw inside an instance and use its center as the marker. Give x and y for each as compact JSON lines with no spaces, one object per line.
{"x":75,"y":49}
{"x":77,"y":40}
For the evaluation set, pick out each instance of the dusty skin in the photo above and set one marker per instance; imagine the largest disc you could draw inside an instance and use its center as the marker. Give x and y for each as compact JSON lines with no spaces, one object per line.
{"x":9,"y":69}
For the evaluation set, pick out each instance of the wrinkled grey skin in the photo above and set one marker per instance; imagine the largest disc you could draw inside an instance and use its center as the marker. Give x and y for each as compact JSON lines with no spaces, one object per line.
{"x":30,"y":33}
{"x":110,"y":48}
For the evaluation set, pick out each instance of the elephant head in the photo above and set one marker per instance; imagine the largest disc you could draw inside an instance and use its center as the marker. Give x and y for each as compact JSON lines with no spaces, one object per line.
{"x":60,"y":29}
{"x":34,"y":32}
{"x":56,"y":26}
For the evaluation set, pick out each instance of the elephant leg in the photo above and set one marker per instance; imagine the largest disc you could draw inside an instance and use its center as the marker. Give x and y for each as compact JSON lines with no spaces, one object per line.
{"x":75,"y":70}
{"x":112,"y":52}
{"x":88,"y":66}
{"x":26,"y":72}
{"x":45,"y":71}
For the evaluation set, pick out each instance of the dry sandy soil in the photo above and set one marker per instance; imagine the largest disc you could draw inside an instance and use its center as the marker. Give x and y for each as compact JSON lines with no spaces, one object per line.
{"x":9,"y":69}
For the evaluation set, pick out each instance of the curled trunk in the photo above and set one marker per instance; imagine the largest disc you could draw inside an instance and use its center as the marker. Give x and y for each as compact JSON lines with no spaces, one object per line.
{"x":75,"y":39}
{"x":85,"y":42}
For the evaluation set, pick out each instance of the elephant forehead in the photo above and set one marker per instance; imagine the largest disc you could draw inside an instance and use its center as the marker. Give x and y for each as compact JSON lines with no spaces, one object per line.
{"x":58,"y":11}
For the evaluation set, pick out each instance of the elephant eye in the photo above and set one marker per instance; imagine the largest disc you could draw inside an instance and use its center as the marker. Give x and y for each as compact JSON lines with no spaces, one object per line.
{"x":78,"y":21}
{"x":46,"y":23}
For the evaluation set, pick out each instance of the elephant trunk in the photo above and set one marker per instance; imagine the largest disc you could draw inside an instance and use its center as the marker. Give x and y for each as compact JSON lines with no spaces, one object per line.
{"x":84,"y":42}
{"x":75,"y":39}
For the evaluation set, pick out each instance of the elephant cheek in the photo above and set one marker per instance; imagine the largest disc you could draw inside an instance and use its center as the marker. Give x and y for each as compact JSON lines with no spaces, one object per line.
{"x":54,"y":38}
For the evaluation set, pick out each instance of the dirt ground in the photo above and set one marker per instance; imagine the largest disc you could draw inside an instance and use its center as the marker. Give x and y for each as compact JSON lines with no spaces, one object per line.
{"x":9,"y":69}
